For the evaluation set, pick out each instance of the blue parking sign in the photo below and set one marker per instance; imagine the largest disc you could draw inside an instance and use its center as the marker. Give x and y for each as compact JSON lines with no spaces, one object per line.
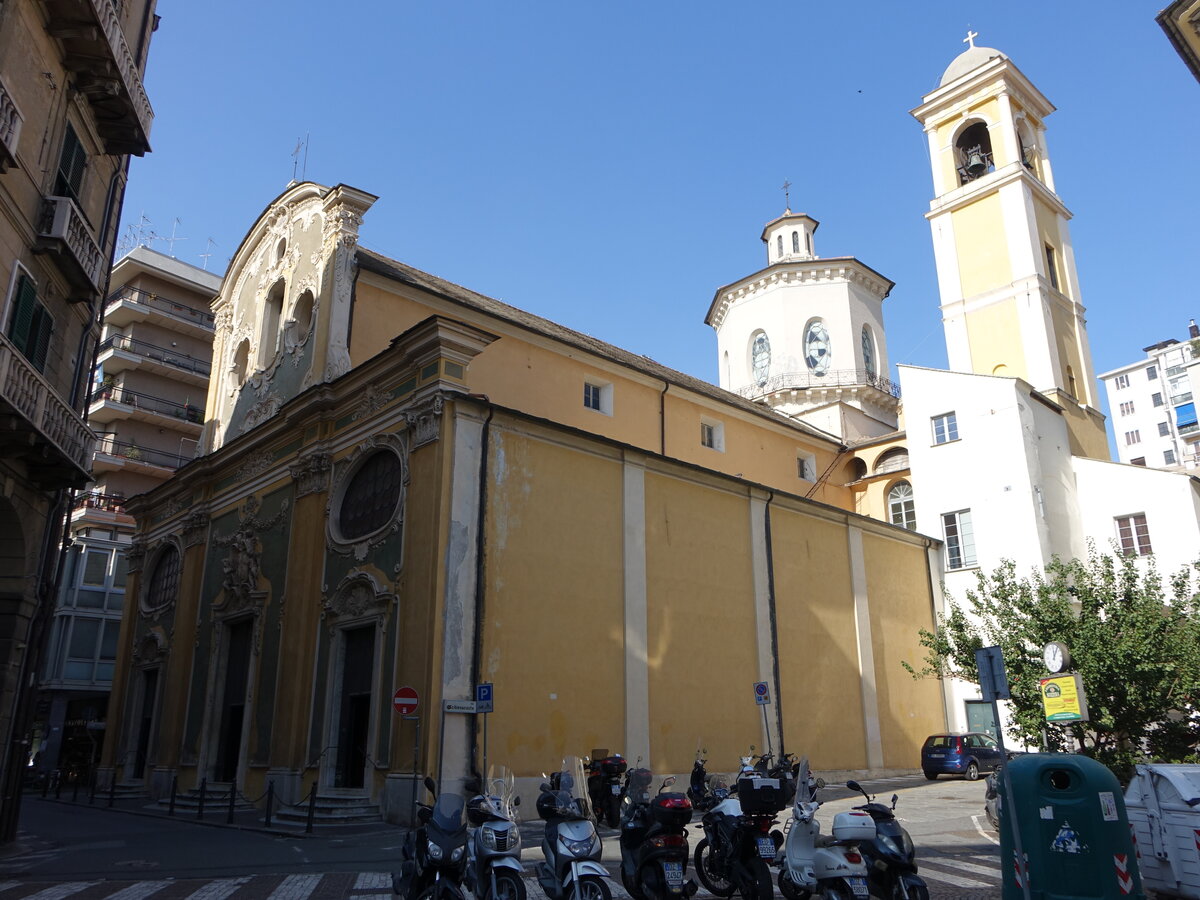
{"x":483,"y":697}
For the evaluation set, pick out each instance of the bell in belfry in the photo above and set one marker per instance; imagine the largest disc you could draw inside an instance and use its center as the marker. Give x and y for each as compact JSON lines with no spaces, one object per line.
{"x":976,"y":165}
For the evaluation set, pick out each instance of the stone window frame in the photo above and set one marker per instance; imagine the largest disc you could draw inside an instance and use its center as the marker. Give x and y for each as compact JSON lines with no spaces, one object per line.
{"x":344,"y":472}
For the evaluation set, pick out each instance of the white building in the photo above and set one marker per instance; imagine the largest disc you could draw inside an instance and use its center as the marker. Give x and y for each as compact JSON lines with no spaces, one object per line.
{"x":1152,"y":405}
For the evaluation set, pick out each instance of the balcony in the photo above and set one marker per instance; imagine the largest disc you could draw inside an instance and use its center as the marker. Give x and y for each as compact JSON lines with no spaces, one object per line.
{"x":121,"y":456}
{"x":121,"y":353}
{"x":104,"y":70}
{"x":129,"y":305}
{"x":63,"y":231}
{"x":808,"y":381}
{"x":113,"y":404}
{"x":10,"y":129}
{"x":40,"y":427}
{"x":96,"y":508}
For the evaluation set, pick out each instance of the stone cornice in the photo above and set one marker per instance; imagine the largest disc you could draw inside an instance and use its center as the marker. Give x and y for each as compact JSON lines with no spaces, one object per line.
{"x":844,"y":269}
{"x":968,"y":193}
{"x":940,"y":102}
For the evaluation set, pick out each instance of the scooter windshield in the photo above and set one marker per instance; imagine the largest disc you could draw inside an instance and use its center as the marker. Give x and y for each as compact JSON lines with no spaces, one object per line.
{"x":500,"y":793}
{"x":640,"y":782}
{"x":448,"y":813}
{"x":571,"y":799}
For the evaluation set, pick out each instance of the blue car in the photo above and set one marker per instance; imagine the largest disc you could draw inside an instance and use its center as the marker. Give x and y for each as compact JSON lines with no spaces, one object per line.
{"x":965,"y":754}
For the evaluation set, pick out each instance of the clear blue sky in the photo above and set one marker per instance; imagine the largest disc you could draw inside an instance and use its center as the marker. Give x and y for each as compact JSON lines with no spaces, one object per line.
{"x":609,"y":165}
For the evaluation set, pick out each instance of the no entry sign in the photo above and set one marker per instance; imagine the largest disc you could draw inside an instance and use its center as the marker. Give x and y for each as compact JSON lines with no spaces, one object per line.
{"x":404,"y":701}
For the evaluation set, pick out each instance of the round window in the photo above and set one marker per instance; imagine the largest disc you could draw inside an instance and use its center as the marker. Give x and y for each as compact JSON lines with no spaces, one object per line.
{"x":370,"y":500}
{"x":164,"y":580}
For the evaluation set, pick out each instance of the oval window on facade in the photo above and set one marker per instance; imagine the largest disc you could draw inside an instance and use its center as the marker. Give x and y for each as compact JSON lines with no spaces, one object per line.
{"x":760,"y":357}
{"x":816,"y":347}
{"x":370,"y":499}
{"x":164,"y":579}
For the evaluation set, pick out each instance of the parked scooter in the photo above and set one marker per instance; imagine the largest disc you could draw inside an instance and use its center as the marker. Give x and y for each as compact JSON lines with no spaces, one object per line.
{"x":891,"y":856}
{"x":811,"y":864}
{"x":434,"y":854}
{"x":494,"y":852}
{"x":704,"y":790}
{"x":572,"y":869}
{"x":654,"y":848}
{"x":738,"y":843}
{"x":991,"y":799}
{"x":604,"y":785}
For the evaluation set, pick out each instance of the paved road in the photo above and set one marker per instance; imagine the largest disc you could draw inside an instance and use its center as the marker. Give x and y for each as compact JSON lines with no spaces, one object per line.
{"x":67,"y":852}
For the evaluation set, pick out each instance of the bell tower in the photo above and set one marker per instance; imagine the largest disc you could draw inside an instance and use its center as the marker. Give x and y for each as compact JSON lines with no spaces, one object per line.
{"x":1010,"y":295}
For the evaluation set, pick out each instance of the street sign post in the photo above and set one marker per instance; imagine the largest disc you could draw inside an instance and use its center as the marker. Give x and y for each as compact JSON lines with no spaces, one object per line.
{"x":483,"y":697}
{"x":458,"y":706}
{"x":405,"y":701}
{"x":762,"y":696}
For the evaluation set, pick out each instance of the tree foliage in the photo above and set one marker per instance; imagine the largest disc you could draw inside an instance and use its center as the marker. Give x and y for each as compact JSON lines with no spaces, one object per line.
{"x":1134,"y":639}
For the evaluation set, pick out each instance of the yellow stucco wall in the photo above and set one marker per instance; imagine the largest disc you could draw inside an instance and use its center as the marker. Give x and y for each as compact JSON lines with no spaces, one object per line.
{"x":553,"y":623}
{"x":994,"y":332}
{"x":701,"y":633}
{"x":901,"y":603}
{"x":987,"y":110}
{"x":818,"y":657}
{"x":983,"y":261}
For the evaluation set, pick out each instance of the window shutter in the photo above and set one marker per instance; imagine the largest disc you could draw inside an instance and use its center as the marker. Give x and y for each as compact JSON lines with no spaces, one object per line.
{"x":22,"y":314}
{"x":39,"y":344}
{"x":71,"y":165}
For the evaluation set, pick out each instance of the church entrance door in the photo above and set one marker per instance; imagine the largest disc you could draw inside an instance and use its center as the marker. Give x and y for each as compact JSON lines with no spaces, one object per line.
{"x":145,"y":722}
{"x":354,"y":706}
{"x":233,"y":700}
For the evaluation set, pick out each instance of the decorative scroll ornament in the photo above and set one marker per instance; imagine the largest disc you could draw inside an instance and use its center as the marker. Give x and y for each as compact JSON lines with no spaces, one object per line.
{"x":135,"y":556}
{"x":260,"y":412}
{"x":357,"y":597}
{"x":372,"y":401}
{"x":152,"y":646}
{"x":311,"y":473}
{"x":195,"y":529}
{"x":424,"y":422}
{"x":240,"y":567}
{"x":255,"y":465}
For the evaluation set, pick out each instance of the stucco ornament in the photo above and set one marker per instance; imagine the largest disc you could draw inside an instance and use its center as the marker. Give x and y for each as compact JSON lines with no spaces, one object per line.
{"x":195,"y":528}
{"x":340,"y":238}
{"x":240,"y":568}
{"x":311,"y":473}
{"x":357,"y":596}
{"x":260,"y":412}
{"x":152,"y":646}
{"x":255,"y":465}
{"x":135,"y":555}
{"x":424,"y":422}
{"x":372,"y":401}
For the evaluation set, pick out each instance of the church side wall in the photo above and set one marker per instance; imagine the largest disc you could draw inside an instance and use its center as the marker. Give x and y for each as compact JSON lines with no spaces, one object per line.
{"x":994,"y":332}
{"x":983,"y":260}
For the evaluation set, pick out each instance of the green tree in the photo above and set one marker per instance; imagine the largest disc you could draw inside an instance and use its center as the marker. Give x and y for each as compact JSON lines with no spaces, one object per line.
{"x":1134,"y":639}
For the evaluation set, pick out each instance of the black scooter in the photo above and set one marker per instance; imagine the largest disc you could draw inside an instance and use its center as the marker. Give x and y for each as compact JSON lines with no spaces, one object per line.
{"x":604,"y":786}
{"x":654,"y":847}
{"x":891,"y":857}
{"x":703,"y":793}
{"x":435,"y":854}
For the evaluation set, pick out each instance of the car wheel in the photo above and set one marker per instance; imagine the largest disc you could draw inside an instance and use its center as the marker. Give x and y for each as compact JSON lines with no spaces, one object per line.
{"x":932,"y":776}
{"x":972,"y":773}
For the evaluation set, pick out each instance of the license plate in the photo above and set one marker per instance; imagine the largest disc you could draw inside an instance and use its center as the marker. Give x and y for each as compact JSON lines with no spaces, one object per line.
{"x":937,"y":755}
{"x":766,"y":848}
{"x":858,"y":886}
{"x":674,"y":873}
{"x":616,"y":789}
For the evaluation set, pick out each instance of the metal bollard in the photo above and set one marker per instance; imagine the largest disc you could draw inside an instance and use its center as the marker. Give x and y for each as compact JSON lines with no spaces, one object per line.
{"x":312,"y":809}
{"x":203,"y":789}
{"x":232,"y":798}
{"x":270,"y":801}
{"x":174,"y":791}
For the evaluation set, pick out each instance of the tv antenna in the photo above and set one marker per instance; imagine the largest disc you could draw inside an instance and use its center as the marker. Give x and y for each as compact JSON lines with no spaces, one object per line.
{"x":207,"y":253}
{"x":170,"y":242}
{"x":296,"y":158}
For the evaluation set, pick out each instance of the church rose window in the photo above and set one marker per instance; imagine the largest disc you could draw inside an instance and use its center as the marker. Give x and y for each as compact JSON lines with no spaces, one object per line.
{"x":760,"y":356}
{"x":370,"y":500}
{"x":164,"y":580}
{"x":816,"y":347}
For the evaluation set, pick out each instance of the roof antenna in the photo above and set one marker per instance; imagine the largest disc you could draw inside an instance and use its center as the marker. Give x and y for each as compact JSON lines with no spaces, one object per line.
{"x":304,"y":168}
{"x":170,"y":242}
{"x":295,"y":154}
{"x":207,"y":253}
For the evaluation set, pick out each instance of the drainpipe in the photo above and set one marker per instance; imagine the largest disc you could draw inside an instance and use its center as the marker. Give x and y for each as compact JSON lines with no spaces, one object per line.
{"x":480,"y":590}
{"x":774,"y":623}
{"x":662,"y":419}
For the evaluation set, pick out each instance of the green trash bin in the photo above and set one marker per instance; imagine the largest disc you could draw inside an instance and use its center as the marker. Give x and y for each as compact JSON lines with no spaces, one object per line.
{"x":1070,"y":814}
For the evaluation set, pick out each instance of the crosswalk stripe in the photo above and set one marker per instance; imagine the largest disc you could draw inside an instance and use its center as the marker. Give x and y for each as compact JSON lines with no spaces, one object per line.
{"x":295,"y":887}
{"x":218,"y":890}
{"x":60,"y":891}
{"x":932,"y":875}
{"x":993,"y":871}
{"x":139,"y":890}
{"x":368,"y":880}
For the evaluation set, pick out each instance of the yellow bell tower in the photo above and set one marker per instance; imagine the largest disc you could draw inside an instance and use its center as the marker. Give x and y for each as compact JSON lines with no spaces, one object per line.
{"x":1006,"y":269}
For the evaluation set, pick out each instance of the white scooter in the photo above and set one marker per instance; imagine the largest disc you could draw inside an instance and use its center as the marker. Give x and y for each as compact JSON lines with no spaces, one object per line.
{"x":825,"y":866}
{"x":572,"y":848}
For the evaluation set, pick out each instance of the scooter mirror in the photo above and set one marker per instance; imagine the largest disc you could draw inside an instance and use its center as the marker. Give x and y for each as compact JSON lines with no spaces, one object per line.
{"x":895,"y":797}
{"x":543,"y":786}
{"x":667,"y":782}
{"x":430,"y":785}
{"x":424,"y":814}
{"x":516,"y":801}
{"x":854,"y":786}
{"x":820,"y":782}
{"x":473,"y":785}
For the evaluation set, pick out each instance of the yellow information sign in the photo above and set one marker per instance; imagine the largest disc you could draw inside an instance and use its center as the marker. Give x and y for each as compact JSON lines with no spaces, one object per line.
{"x":1063,"y":698}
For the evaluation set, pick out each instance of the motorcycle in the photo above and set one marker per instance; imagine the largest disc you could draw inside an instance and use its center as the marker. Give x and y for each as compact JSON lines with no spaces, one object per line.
{"x":604,"y":785}
{"x":434,"y":854}
{"x":738,"y":843}
{"x":654,"y":848}
{"x":811,"y":864}
{"x":571,"y":846}
{"x":891,"y":856}
{"x":494,"y":852}
{"x":704,"y":790}
{"x":784,"y":769}
{"x":991,"y":799}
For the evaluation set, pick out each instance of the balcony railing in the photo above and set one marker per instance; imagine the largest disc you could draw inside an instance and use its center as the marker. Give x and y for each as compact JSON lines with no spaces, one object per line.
{"x":807,"y":381}
{"x":186,"y":411}
{"x":134,"y":453}
{"x":105,"y":71}
{"x":10,"y":128}
{"x":24,"y":389}
{"x":159,"y":354}
{"x":62,"y":229}
{"x":155,"y":301}
{"x":113,"y":503}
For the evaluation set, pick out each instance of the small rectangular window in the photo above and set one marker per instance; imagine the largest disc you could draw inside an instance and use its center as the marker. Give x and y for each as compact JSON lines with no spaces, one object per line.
{"x":597,"y":396}
{"x":712,"y":435}
{"x":1163,"y":429}
{"x":1134,"y":535}
{"x":1051,"y":267}
{"x":30,"y":325}
{"x":1168,"y":457}
{"x":945,"y":428}
{"x":1133,"y":437}
{"x":1156,"y":399}
{"x":591,"y":396}
{"x":1127,"y":407}
{"x":71,"y":163}
{"x":960,"y":539}
{"x":806,"y":467}
{"x":1151,"y":373}
{"x":95,"y":569}
{"x":1121,"y":381}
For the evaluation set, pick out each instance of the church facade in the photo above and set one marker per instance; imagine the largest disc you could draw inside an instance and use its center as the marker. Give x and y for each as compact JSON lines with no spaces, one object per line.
{"x":403,"y":483}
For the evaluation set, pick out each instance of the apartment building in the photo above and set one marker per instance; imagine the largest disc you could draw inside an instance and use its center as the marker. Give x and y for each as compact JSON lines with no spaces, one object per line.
{"x":72,"y":110}
{"x":147,"y":409}
{"x":1153,"y":408}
